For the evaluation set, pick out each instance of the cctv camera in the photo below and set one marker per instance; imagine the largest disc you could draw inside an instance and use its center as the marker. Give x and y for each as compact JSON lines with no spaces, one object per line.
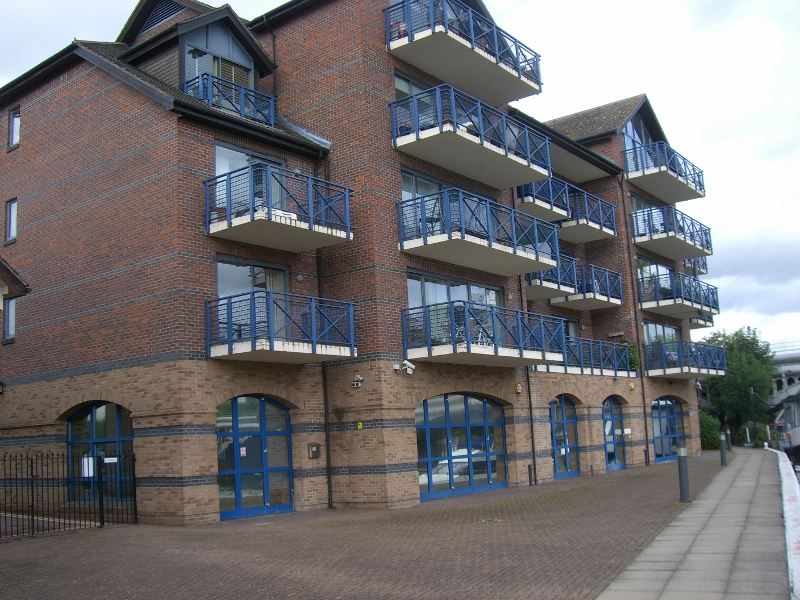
{"x":358,"y":379}
{"x":408,"y":365}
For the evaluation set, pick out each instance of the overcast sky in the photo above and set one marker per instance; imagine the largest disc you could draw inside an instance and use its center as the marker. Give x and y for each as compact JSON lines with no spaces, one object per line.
{"x":722,"y":76}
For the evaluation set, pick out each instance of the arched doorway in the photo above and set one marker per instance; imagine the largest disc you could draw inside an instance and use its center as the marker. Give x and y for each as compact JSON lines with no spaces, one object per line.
{"x":461,"y":445}
{"x":668,"y":429}
{"x":104,"y":431}
{"x":613,"y":434}
{"x":254,"y":457}
{"x":564,"y":438}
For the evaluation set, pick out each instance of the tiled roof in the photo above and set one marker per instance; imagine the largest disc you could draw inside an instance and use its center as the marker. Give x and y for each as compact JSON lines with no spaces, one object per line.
{"x":598,"y":121}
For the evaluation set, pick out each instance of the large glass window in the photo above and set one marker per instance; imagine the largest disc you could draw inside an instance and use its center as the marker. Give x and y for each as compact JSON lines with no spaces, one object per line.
{"x":636,"y":132}
{"x":14,"y":125}
{"x":9,"y":319}
{"x":424,"y":290}
{"x":564,"y":438}
{"x":404,"y":87}
{"x":655,"y":333}
{"x":11,"y":220}
{"x":461,"y":445}
{"x":95,"y":433}
{"x":235,"y":278}
{"x":254,"y":457}
{"x":668,"y":430}
{"x":613,"y":434}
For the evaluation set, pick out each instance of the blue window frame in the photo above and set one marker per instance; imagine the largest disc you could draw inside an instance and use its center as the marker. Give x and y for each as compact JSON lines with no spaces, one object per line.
{"x":254,"y":457}
{"x":564,"y":438}
{"x":461,"y":445}
{"x":614,"y":434}
{"x":11,"y":220}
{"x":98,"y":431}
{"x":668,"y":428}
{"x":9,"y":319}
{"x":14,"y":124}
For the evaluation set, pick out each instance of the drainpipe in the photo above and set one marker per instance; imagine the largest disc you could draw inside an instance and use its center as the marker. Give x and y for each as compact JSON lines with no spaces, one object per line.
{"x":637,"y":323}
{"x":530,"y":403}
{"x":275,"y":61}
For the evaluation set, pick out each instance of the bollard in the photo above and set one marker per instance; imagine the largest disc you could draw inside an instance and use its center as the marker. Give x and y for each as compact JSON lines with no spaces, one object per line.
{"x":723,"y":454}
{"x":728,"y":438}
{"x":683,"y":472}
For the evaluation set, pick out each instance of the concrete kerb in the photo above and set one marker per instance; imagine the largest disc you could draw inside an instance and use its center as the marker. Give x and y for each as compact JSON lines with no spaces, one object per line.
{"x":790,"y":492}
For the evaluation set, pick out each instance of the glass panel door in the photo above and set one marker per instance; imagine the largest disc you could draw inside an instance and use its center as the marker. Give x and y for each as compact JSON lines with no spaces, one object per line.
{"x":613,"y":434}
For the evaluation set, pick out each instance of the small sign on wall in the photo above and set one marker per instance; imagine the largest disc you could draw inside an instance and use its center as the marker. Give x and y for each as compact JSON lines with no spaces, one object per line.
{"x":87,"y":466}
{"x":242,"y":451}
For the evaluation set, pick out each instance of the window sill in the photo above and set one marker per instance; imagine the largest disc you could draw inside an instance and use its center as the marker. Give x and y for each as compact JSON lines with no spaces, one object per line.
{"x":7,"y":342}
{"x":14,"y":147}
{"x":9,"y":242}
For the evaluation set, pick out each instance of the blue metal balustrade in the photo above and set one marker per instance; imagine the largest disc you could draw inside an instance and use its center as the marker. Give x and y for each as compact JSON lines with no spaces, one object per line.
{"x":698,"y":265}
{"x":659,"y":155}
{"x":551,"y":191}
{"x":590,"y":355}
{"x":588,"y":207}
{"x":446,"y":107}
{"x":411,"y":17}
{"x":666,"y":219}
{"x":262,"y":188}
{"x":457,"y":214}
{"x":472,"y":325}
{"x":684,"y":355}
{"x":271,"y":317}
{"x":599,"y":281}
{"x":677,"y":286}
{"x":227,"y":95}
{"x":565,"y":275}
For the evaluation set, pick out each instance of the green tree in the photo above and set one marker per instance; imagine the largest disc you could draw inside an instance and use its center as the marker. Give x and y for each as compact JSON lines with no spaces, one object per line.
{"x":736,"y":397}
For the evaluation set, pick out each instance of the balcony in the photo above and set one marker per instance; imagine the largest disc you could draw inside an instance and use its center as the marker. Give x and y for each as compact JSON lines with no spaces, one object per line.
{"x":453,"y":42}
{"x":697,"y":266}
{"x":658,"y":169}
{"x":592,"y":357}
{"x":701,"y":322}
{"x":683,"y":360}
{"x":464,"y":229}
{"x":679,"y":296}
{"x":590,"y":218}
{"x":559,"y":281}
{"x":547,"y":200}
{"x":269,"y":206}
{"x":462,"y":332}
{"x":453,"y":130}
{"x":670,"y":233}
{"x":597,"y":288}
{"x":226,"y":95}
{"x":279,"y":328}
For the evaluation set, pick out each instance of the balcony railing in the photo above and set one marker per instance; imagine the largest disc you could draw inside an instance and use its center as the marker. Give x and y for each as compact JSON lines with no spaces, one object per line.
{"x":679,"y":287}
{"x":410,"y":17}
{"x":595,"y":355}
{"x":599,"y":281}
{"x":262,"y":190}
{"x":697,"y":265}
{"x":444,"y":108}
{"x":565,"y":275}
{"x":224,"y":94}
{"x":551,"y":191}
{"x":588,"y":207}
{"x":455,"y":213}
{"x":279,"y":322}
{"x":470,"y":327}
{"x":659,"y":155}
{"x":667,"y":220}
{"x":663,"y":356}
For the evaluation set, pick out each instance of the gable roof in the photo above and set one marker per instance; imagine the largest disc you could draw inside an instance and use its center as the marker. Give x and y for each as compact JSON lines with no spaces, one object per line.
{"x":606,"y":120}
{"x":141,"y":12}
{"x":13,"y":281}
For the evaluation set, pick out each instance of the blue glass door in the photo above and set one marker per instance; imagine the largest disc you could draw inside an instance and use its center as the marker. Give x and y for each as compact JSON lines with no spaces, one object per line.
{"x":254,"y":456}
{"x":668,"y":431}
{"x":564,"y":438}
{"x":613,"y":434}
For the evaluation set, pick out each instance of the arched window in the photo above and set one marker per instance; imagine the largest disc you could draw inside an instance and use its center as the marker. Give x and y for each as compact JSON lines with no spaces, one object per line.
{"x":97,"y":432}
{"x":254,"y":457}
{"x":613,"y":434}
{"x":668,"y":430}
{"x":564,"y":438}
{"x":461,"y":445}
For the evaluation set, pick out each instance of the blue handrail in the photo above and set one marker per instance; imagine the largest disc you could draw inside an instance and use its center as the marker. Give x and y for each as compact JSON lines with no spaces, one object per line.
{"x":551,"y":191}
{"x":408,"y":18}
{"x":589,"y":355}
{"x":698,"y":265}
{"x":597,"y":280}
{"x":564,"y":275}
{"x":667,"y":219}
{"x":677,"y":286}
{"x":588,"y":207}
{"x":265,"y":188}
{"x":671,"y":355}
{"x":658,"y":155}
{"x":470,"y":324}
{"x":227,"y":95}
{"x":457,"y":213}
{"x":444,"y":106}
{"x":278,"y":316}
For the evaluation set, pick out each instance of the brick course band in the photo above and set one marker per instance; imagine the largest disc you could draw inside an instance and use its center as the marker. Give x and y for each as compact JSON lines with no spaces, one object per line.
{"x":33,"y":440}
{"x":305,"y":473}
{"x":170,"y":430}
{"x":375,"y":469}
{"x":171,"y":482}
{"x":374,"y":424}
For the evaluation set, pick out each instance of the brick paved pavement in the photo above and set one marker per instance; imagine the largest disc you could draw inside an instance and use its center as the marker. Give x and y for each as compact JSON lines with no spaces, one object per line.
{"x":728,"y":545}
{"x":564,"y":540}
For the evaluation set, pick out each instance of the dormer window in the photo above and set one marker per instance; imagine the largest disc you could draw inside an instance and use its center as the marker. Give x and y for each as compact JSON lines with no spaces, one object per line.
{"x":214,"y":50}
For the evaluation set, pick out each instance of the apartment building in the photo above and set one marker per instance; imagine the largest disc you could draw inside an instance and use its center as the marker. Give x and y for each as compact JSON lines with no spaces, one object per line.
{"x":290,"y":268}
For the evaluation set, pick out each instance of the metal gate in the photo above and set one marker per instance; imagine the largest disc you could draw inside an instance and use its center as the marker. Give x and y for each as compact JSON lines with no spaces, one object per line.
{"x":46,"y":493}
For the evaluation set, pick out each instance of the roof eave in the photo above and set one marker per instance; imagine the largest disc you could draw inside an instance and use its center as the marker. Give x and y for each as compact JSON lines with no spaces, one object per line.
{"x":19,"y":85}
{"x":16,"y":285}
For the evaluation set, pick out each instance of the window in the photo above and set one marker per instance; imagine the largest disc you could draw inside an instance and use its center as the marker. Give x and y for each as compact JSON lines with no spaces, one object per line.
{"x":234,"y":278}
{"x":637,"y":133}
{"x":424,"y":290}
{"x":404,"y":87}
{"x":246,"y":188}
{"x":9,"y":319}
{"x":229,"y":70}
{"x":668,"y":431}
{"x":658,"y":332}
{"x":11,"y":220}
{"x":415,"y":186}
{"x":613,"y":434}
{"x":572,"y":328}
{"x":564,"y":438}
{"x":14,"y":123}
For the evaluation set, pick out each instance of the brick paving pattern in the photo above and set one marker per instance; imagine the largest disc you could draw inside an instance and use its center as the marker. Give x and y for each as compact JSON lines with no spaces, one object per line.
{"x":563,"y":540}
